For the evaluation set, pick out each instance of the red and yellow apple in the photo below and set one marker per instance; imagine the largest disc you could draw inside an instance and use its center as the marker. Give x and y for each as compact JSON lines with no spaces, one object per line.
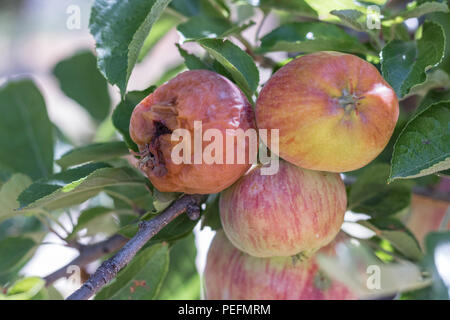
{"x":334,"y":111}
{"x":293,"y":211}
{"x":234,"y":275}
{"x":192,"y":96}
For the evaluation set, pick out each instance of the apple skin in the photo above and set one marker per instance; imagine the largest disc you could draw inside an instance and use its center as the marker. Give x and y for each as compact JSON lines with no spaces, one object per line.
{"x":196,"y":95}
{"x":334,"y":111}
{"x":293,"y":211}
{"x":231,"y":274}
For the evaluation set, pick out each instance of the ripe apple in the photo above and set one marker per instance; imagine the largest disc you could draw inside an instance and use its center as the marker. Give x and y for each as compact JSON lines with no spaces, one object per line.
{"x":197,"y":96}
{"x":334,"y":111}
{"x":231,"y":274}
{"x":293,"y":211}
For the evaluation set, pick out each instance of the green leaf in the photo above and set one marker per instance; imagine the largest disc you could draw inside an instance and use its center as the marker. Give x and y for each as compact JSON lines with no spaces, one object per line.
{"x":182,"y":272}
{"x":310,"y":37}
{"x":191,"y":61}
{"x":204,"y":27}
{"x":422,"y":9}
{"x":26,"y":133}
{"x":80,"y":80}
{"x":24,"y":289}
{"x":372,"y":195}
{"x":9,"y":193}
{"x":13,"y":251}
{"x":397,"y":234}
{"x":423,"y":146}
{"x":298,"y":7}
{"x":404,"y":63}
{"x":120,"y":29}
{"x":211,"y":216}
{"x":77,"y":185}
{"x":238,"y":63}
{"x":93,"y":152}
{"x":95,"y":220}
{"x":122,"y":114}
{"x":142,"y":278}
{"x":165,"y":23}
{"x":136,"y":198}
{"x":190,"y":8}
{"x":355,"y":266}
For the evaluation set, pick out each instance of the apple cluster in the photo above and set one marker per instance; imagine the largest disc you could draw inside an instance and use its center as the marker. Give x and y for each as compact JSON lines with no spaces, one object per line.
{"x":334,"y":113}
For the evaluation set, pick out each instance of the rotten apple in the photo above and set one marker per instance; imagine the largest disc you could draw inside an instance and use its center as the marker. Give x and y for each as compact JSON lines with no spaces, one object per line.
{"x":334,"y":111}
{"x":193,"y":97}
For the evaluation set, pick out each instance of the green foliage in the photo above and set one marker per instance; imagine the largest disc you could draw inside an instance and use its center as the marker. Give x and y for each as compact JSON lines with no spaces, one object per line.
{"x":182,"y":281}
{"x":31,"y":149}
{"x":404,"y":63}
{"x":423,"y":146}
{"x":120,"y":29}
{"x":142,"y":278}
{"x":94,"y":152}
{"x":310,"y":37}
{"x":80,"y":80}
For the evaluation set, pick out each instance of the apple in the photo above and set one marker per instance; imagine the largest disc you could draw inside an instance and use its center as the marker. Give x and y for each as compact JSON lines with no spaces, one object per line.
{"x":293,"y":211}
{"x":193,"y":97}
{"x":334,"y":111}
{"x":231,"y":274}
{"x":426,"y":215}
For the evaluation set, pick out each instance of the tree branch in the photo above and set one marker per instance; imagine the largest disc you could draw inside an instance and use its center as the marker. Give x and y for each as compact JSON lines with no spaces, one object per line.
{"x":147,"y":229}
{"x":88,"y":254}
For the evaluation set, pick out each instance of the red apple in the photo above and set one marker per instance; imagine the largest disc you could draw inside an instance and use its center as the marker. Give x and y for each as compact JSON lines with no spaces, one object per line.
{"x":426,"y":215}
{"x":293,"y":211}
{"x":334,"y":111}
{"x":198,"y":96}
{"x":233,"y":275}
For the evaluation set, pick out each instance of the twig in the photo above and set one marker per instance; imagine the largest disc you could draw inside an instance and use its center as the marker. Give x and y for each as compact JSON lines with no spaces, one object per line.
{"x":88,"y":254}
{"x":147,"y":229}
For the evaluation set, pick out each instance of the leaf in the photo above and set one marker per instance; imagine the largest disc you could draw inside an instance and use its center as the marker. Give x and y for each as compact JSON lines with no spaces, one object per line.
{"x":209,"y":27}
{"x":9,"y":193}
{"x":131,"y":197}
{"x":80,"y":80}
{"x":191,"y":61}
{"x":211,"y":216}
{"x":13,"y":250}
{"x":299,"y":7}
{"x":24,"y":289}
{"x":165,"y":23}
{"x":94,"y":152}
{"x":122,"y":114}
{"x":372,"y":195}
{"x":397,"y":234}
{"x":404,"y":63}
{"x":76,"y":185}
{"x":190,"y":8}
{"x":95,"y":220}
{"x":422,"y":9}
{"x":142,"y":278}
{"x":237,"y":62}
{"x":120,"y":29}
{"x":182,"y":272}
{"x":310,"y":37}
{"x":26,"y":133}
{"x":423,"y":146}
{"x":355,"y":266}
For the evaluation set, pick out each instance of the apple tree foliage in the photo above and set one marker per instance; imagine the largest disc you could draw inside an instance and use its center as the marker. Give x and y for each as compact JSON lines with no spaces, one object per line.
{"x":411,"y":47}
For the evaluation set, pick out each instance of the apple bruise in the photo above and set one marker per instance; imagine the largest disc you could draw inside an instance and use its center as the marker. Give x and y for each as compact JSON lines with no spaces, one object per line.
{"x":164,"y":120}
